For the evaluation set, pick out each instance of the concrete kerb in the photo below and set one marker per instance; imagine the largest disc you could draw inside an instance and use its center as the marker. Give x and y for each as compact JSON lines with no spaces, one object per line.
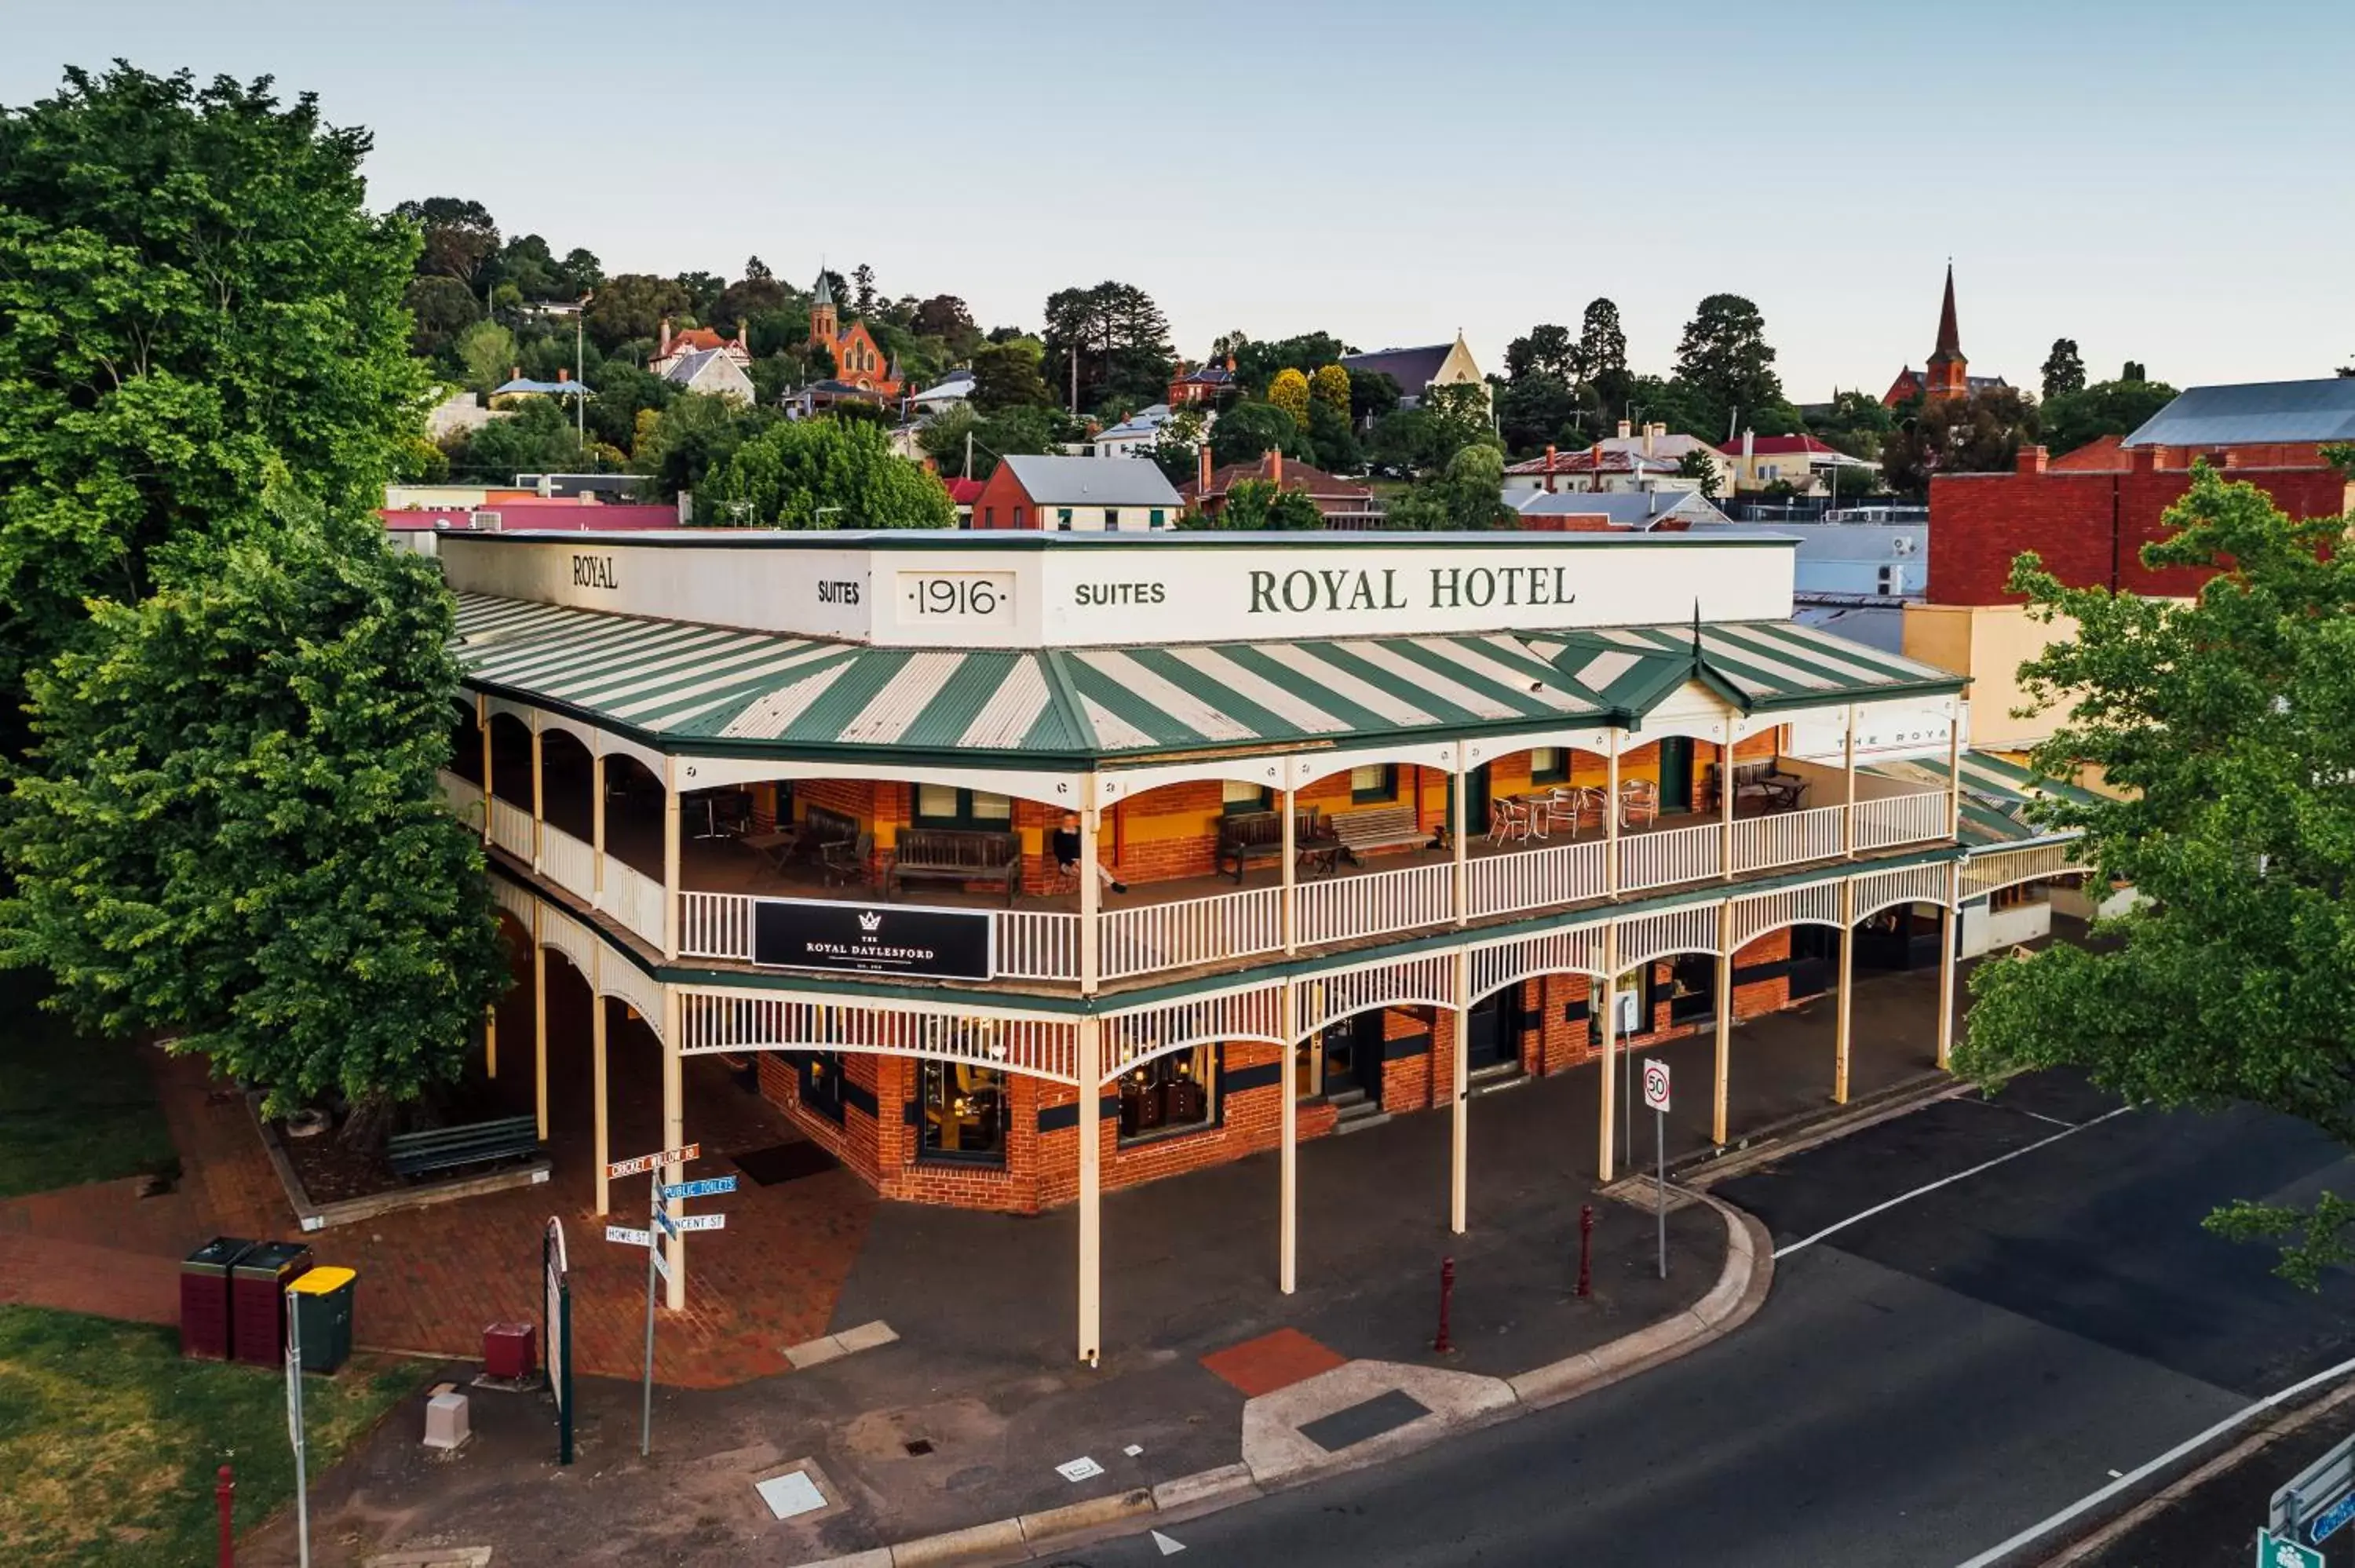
{"x":1742,"y":1286}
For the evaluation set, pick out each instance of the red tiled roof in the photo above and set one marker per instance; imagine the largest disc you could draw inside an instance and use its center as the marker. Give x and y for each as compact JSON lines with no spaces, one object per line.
{"x":1579,"y":459}
{"x":691,"y":338}
{"x":964,"y":492}
{"x":1296,"y":476}
{"x":1780,"y":446}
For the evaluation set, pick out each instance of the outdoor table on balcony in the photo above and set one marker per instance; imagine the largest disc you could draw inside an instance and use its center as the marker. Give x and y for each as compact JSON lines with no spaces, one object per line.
{"x":1321,"y":856}
{"x":777,"y":849}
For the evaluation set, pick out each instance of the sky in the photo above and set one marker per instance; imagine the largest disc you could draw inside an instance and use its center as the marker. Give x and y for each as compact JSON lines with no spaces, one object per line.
{"x":2159,"y":181}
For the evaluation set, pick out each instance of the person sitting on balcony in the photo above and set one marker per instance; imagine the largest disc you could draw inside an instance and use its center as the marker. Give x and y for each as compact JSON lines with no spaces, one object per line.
{"x":1065,"y":842}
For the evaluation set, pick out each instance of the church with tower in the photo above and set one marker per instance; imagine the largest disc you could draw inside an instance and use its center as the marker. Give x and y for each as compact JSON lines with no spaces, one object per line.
{"x":1947,"y":377}
{"x":857,"y":362}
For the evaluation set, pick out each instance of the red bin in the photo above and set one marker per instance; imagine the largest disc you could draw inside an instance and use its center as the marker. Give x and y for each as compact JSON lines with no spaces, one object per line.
{"x":257,"y":1308}
{"x":204,"y":1297}
{"x":510,"y":1351}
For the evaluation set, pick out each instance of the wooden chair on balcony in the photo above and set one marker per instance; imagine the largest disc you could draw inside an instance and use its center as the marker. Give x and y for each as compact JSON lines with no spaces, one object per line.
{"x":844,"y":861}
{"x":1639,"y":803}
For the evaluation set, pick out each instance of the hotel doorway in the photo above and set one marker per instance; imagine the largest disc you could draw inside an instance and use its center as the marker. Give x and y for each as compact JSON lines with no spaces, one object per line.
{"x":1349,"y":1055}
{"x":1488,"y":1041}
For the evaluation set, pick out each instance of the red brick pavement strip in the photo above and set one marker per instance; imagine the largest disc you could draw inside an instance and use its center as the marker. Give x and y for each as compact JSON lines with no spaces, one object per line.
{"x":431,"y":1279}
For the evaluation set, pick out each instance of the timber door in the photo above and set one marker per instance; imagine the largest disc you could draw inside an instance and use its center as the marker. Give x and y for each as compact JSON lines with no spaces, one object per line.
{"x":1489,"y":1042}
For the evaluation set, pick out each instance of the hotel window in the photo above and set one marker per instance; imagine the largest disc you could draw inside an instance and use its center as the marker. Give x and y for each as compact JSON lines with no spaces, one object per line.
{"x":821,"y":1082}
{"x":1170,"y":1093}
{"x":964,"y":1111}
{"x":1377,"y":783}
{"x":946,"y":806}
{"x":1236,"y":797}
{"x":1549,"y":764}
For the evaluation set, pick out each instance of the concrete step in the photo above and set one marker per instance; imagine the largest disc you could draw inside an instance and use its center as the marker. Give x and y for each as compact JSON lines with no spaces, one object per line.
{"x":1369,"y":1115}
{"x":1496,"y":1079}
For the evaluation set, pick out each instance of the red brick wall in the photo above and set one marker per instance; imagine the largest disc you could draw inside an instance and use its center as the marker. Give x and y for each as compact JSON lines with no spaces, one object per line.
{"x":1000,"y":494}
{"x":2090,"y":527}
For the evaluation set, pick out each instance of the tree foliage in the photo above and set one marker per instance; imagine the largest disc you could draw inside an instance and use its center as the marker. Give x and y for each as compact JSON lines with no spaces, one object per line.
{"x":824,"y":473}
{"x":1330,"y":386}
{"x":1700,"y":468}
{"x":1120,"y":340}
{"x":2064,"y":369}
{"x":1978,"y":434}
{"x":1261,"y":504}
{"x":195,"y":304}
{"x":1725,"y":361}
{"x":1257,"y":364}
{"x":1467,"y":495}
{"x":1289,"y":392}
{"x":459,"y":237}
{"x":230,"y":827}
{"x":2226,"y":728}
{"x":631,"y":305}
{"x":537,"y":437}
{"x":1250,"y":430}
{"x":2106,"y":408}
{"x":1007,"y":375}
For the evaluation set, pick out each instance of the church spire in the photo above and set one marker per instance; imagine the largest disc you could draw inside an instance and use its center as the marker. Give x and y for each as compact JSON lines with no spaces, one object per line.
{"x":1950,"y":337}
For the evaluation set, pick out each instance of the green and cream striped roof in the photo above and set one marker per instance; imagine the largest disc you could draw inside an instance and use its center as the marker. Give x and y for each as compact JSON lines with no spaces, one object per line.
{"x":674,"y":683}
{"x":1995,"y":794}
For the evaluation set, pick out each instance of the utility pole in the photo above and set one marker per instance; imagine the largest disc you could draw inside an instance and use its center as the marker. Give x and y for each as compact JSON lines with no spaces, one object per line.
{"x":968,"y":454}
{"x":1075,"y":378}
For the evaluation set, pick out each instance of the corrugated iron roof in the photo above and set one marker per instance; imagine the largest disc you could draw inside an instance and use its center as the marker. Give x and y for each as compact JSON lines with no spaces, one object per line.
{"x":678,"y":683}
{"x":2255,"y":412}
{"x":1995,"y":796}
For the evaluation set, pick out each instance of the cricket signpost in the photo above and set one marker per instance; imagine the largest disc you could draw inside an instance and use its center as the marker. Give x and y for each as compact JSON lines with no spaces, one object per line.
{"x":661,"y":1220}
{"x":1656,"y":1096}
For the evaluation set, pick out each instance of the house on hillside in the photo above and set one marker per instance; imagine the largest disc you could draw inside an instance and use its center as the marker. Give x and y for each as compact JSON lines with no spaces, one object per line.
{"x":954,"y":388}
{"x":1137,"y":435}
{"x":1076,"y":495}
{"x":712,"y":371}
{"x":1202,"y":385}
{"x":1418,"y":370}
{"x":1343,"y":504}
{"x":1579,"y":511}
{"x":1628,"y":461}
{"x":672,"y":347}
{"x":1803,"y":462}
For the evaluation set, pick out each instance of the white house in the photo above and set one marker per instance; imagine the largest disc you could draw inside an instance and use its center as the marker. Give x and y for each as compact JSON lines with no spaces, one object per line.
{"x":712,"y":371}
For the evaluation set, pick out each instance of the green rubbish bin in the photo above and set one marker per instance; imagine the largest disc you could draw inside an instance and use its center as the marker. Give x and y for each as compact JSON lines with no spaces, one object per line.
{"x":323,"y":1315}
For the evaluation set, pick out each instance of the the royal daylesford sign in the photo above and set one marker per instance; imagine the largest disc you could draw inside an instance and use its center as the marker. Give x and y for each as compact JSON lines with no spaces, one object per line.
{"x":874,"y":939}
{"x":970,"y":591}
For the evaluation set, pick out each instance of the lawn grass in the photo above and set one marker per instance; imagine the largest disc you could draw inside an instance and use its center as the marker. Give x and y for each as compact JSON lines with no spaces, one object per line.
{"x":109,"y":1441}
{"x":73,"y":1110}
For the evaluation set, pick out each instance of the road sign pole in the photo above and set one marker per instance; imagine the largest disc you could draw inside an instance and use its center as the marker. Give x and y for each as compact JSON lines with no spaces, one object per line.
{"x":1660,"y":1145}
{"x":647,"y":1398}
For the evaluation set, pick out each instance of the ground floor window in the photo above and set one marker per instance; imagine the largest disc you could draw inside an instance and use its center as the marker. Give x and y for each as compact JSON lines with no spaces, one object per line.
{"x":821,"y":1082}
{"x":964,"y":1109}
{"x":1376,"y":783}
{"x":1170,"y":1093}
{"x":1548,"y":765}
{"x":1236,"y":797}
{"x":946,"y":806}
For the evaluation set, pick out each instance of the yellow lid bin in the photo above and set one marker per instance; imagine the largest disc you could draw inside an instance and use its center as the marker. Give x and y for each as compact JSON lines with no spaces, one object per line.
{"x":323,"y":1309}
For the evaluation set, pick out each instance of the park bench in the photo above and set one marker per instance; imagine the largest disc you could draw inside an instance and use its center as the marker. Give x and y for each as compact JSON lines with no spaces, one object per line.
{"x":1248,"y":836}
{"x":1378,"y":829}
{"x":951,"y":854}
{"x":446,"y":1148}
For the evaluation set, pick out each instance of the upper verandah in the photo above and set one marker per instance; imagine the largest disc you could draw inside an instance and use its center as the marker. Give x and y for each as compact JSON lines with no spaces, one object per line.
{"x":1031,"y":591}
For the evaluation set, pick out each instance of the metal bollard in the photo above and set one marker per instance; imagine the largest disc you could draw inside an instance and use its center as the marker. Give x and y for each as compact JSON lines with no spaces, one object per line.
{"x":1585,"y":1250}
{"x":1447,"y":1292}
{"x":225,"y":1497}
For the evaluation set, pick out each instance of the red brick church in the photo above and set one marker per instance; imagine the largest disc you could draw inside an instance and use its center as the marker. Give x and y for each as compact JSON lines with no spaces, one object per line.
{"x":857,"y":362}
{"x":1947,"y":377}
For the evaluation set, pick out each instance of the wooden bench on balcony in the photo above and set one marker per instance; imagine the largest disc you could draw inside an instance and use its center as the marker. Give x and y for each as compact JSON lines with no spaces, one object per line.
{"x":1378,"y":829}
{"x":955,"y":855}
{"x":1248,"y":836}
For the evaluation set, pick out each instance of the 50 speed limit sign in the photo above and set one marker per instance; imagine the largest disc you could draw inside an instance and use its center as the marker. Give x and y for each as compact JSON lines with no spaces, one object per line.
{"x":1655,"y":1086}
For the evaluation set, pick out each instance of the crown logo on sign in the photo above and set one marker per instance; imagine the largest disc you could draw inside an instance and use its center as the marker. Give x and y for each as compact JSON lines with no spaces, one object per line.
{"x":871,"y":923}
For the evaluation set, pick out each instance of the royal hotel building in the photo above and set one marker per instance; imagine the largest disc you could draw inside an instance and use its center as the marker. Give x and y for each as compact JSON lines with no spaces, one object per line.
{"x":1233,"y":838}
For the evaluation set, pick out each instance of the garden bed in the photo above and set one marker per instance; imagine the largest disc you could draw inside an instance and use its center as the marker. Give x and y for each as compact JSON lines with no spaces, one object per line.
{"x":330,"y":1183}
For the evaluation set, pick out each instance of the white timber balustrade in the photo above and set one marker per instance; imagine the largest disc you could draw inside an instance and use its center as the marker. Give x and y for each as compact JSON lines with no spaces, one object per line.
{"x":1375,"y":904}
{"x":1143,"y":938}
{"x":1668,"y":856}
{"x":1038,"y":944}
{"x":634,"y":899}
{"x":465,"y":796}
{"x":567,"y":862}
{"x":1538,"y":878}
{"x":1901,"y":820}
{"x":1786,"y":838}
{"x":715,"y":926}
{"x":511,"y":827}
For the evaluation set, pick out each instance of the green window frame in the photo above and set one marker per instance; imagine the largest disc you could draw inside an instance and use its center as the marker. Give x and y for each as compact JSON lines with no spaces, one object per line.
{"x":1153,"y":519}
{"x":1375,"y":784}
{"x":977,"y":811}
{"x":1549,"y":764}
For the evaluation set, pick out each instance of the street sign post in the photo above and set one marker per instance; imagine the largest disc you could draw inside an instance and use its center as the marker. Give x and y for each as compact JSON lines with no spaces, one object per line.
{"x":2318,"y":1502}
{"x":2281,"y":1552}
{"x":661,"y":1221}
{"x":710,"y":1187}
{"x":1656,"y":1096}
{"x":663,"y":1161}
{"x":629,"y":1235}
{"x":700,"y":1222}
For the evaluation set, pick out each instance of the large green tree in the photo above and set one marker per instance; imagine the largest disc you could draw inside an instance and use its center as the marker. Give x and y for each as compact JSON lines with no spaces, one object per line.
{"x":2106,"y":408}
{"x":230,"y":826}
{"x":195,"y":303}
{"x":1467,"y":495}
{"x":824,"y":473}
{"x":2064,"y":368}
{"x":1118,"y":340}
{"x":1725,"y":360}
{"x":1978,"y":434}
{"x":2224,"y":729}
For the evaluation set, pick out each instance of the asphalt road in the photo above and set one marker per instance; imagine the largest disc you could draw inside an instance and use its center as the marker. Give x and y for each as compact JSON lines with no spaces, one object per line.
{"x":1918,"y":1386}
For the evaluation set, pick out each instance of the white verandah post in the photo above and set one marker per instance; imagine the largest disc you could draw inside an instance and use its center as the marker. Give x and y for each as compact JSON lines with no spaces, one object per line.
{"x":1950,"y":922}
{"x":1091,"y":1077}
{"x":1460,"y":1095}
{"x":482,"y":723}
{"x":538,"y":1022}
{"x":1289,"y":913}
{"x":597,"y":830}
{"x":674,"y":1135}
{"x":1602,"y":993}
{"x":1718,"y":1087}
{"x":1725,"y":799}
{"x":1847,"y":788}
{"x":1287,"y":1232}
{"x":1610,"y":817}
{"x":1846,"y":987}
{"x":538,"y":800}
{"x":1459,"y":781}
{"x":670,"y":857}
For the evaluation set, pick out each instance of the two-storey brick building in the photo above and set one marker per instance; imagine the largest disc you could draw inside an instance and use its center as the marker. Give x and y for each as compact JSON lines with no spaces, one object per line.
{"x":1024,"y":864}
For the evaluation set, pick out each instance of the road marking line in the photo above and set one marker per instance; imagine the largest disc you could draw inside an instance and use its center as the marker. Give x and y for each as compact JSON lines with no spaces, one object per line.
{"x":2091,"y":1500}
{"x":2073,"y":1129}
{"x":2040,"y":1116}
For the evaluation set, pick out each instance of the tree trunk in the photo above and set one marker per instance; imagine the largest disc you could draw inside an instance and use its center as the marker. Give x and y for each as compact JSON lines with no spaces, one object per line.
{"x":369,"y":1123}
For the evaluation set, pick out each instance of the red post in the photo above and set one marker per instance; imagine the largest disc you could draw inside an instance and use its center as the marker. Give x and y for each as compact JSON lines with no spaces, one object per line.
{"x":1446,"y":1291}
{"x":225,"y":1496}
{"x":1585,"y":1249}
